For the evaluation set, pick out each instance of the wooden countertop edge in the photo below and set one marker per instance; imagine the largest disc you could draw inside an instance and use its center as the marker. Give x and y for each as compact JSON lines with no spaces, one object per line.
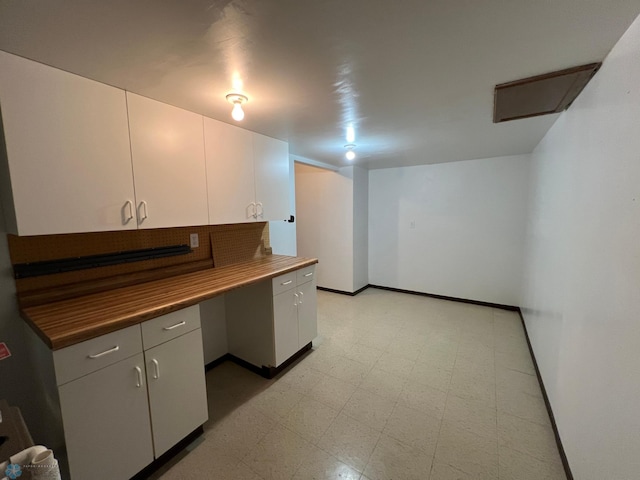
{"x":56,"y":341}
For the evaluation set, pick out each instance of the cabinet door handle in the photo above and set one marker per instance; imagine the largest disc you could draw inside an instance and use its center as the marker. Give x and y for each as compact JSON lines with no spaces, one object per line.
{"x":179,"y":324}
{"x":301,"y":297}
{"x":252,"y":212}
{"x":259,"y":213}
{"x":295,"y":302}
{"x":156,"y":368}
{"x":129,"y":217}
{"x":106,"y":352}
{"x":142,"y":207}
{"x":308,"y":274}
{"x":139,"y":373}
{"x":287,"y":282}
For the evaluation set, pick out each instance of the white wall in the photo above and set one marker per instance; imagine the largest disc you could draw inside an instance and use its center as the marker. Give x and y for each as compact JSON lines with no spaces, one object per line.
{"x":324,"y":206}
{"x":582,"y":291}
{"x":360,"y":228}
{"x":452,"y":229}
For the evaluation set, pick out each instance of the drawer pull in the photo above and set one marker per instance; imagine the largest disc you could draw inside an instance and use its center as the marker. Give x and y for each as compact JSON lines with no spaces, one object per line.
{"x":287,"y":282}
{"x":156,"y":367}
{"x":179,"y":324}
{"x":139,"y":372}
{"x":308,"y":274}
{"x":106,"y":352}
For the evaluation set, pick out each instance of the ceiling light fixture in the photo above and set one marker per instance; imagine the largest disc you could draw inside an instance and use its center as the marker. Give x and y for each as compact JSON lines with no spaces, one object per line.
{"x":237,"y":99}
{"x":350,"y":155}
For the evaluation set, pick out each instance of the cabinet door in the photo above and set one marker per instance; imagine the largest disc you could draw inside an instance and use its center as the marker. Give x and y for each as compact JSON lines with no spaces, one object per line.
{"x":307,"y":313}
{"x":230,"y":173}
{"x":271,"y":163}
{"x":167,"y":146}
{"x":285,"y":325}
{"x":68,"y":151}
{"x":106,"y":422}
{"x":177,"y":391}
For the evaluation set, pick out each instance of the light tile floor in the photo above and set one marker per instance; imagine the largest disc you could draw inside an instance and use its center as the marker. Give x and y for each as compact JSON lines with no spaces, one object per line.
{"x":397,"y":387}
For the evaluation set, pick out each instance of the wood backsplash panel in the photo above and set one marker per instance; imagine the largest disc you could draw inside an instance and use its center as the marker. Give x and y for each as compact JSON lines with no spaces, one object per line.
{"x":231,"y":242}
{"x":239,"y":243}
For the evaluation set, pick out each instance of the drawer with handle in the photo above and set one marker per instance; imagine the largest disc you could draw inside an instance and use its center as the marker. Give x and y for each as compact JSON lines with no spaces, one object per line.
{"x":284,"y":282}
{"x":306,"y":274}
{"x":170,"y":326}
{"x":91,"y":355}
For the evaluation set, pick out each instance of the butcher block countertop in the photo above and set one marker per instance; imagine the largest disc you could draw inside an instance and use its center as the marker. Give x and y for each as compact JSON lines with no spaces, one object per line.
{"x":67,"y":322}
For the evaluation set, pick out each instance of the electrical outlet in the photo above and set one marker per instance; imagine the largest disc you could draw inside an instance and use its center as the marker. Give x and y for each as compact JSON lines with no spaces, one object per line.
{"x":194,"y":240}
{"x":412,"y":224}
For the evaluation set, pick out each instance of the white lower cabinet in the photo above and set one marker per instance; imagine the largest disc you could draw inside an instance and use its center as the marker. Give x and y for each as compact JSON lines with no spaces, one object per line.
{"x":106,"y":422}
{"x":269,"y":322}
{"x":307,"y":312}
{"x":177,"y":390}
{"x":285,"y":325}
{"x":123,"y":404}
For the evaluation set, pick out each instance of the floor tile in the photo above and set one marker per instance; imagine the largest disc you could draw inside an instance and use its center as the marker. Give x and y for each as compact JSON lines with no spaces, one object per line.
{"x":363,"y":354}
{"x":523,"y":405}
{"x":383,"y":384}
{"x":423,"y":398}
{"x":392,"y":460}
{"x":395,"y":364}
{"x":351,"y":441}
{"x":441,"y":357}
{"x":310,"y":418}
{"x":322,"y":466}
{"x":369,"y":408}
{"x":279,"y":454}
{"x":520,"y":361}
{"x":414,"y":428}
{"x":376,"y":340}
{"x":431,"y":375}
{"x":441,"y":471}
{"x":333,"y":392}
{"x":468,"y":385}
{"x":349,"y":370}
{"x":527,"y":437}
{"x":473,"y":454}
{"x":451,"y":386}
{"x":241,"y":431}
{"x":404,"y":349}
{"x":513,"y":381}
{"x":471,"y":415}
{"x":519,"y":466}
{"x":277,"y":401}
{"x":303,"y":378}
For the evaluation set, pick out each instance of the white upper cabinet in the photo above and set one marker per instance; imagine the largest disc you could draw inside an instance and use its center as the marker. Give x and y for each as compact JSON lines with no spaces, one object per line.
{"x":248,"y":175}
{"x":271,"y":164}
{"x":230,"y":174}
{"x":167,"y":147}
{"x":68,"y":155}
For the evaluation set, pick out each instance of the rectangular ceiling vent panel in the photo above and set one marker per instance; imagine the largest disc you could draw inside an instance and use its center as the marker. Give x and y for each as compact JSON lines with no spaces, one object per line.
{"x":540,"y":95}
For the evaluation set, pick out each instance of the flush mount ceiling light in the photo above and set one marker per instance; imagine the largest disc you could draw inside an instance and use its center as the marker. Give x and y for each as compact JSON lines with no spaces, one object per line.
{"x":350,"y":155}
{"x":237,"y":99}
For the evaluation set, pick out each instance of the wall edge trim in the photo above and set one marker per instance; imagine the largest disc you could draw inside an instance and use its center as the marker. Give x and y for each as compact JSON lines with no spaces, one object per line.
{"x":556,"y":433}
{"x":511,"y":308}
{"x":343,"y":292}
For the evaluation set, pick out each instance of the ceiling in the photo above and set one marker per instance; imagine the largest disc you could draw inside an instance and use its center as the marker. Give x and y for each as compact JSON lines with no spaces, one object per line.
{"x":415,"y":78}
